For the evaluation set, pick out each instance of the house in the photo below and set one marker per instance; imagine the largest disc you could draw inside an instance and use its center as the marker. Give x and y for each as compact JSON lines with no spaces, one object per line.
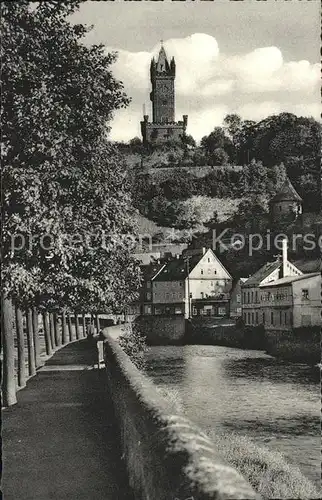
{"x":271,"y":271}
{"x":149,"y":272}
{"x":292,"y":302}
{"x":236,"y":298}
{"x":195,"y":283}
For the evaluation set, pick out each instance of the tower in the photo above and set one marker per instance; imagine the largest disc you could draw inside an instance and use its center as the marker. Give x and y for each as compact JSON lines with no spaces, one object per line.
{"x":286,"y":205}
{"x":163,"y":127}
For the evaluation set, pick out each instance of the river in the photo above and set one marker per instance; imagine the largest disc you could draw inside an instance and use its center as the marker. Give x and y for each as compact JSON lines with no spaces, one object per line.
{"x":275,"y":403}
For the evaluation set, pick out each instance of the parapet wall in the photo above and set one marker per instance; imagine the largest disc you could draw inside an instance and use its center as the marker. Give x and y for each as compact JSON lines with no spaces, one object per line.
{"x":167,"y":456}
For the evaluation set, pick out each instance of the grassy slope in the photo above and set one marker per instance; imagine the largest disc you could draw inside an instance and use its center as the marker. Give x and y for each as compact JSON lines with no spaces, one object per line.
{"x":267,"y":471}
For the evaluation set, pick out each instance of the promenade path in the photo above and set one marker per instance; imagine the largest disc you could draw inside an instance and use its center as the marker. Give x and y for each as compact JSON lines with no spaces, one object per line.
{"x":60,"y":440}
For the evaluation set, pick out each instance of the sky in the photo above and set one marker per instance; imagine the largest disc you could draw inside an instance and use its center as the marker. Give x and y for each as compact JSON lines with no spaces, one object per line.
{"x":251,"y":57}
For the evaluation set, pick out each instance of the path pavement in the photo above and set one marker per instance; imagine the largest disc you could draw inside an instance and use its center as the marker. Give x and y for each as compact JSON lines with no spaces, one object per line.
{"x":60,"y":440}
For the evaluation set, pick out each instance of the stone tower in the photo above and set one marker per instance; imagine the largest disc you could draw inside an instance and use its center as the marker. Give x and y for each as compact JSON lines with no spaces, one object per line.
{"x":286,"y":205}
{"x":163,"y":128}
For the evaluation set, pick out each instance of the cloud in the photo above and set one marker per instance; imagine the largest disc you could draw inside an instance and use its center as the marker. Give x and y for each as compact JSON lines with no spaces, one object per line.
{"x":210,"y":84}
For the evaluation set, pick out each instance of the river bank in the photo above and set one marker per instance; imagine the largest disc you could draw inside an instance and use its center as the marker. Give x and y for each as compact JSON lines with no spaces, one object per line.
{"x":246,"y":393}
{"x":301,"y":346}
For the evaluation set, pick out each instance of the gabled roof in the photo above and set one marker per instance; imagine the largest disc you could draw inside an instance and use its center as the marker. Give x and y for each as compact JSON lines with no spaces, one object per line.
{"x":286,"y":193}
{"x":262,"y":273}
{"x":290,"y":279}
{"x":176,"y":269}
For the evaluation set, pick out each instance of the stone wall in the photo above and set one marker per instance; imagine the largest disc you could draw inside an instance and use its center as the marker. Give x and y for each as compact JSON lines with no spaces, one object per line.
{"x":294,"y":347}
{"x":167,"y":457}
{"x":161,"y":329}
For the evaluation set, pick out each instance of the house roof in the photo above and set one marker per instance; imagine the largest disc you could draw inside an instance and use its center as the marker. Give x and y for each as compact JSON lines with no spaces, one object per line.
{"x":289,"y":279}
{"x":286,"y":193}
{"x":150,"y":270}
{"x":262,"y":273}
{"x":176,"y":269}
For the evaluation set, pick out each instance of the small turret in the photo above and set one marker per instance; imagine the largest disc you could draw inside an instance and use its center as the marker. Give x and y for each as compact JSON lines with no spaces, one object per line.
{"x":173,"y":67}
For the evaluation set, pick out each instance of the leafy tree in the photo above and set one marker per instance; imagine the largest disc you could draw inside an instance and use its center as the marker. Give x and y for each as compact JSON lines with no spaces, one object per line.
{"x":219,"y":157}
{"x":62,"y":177}
{"x":217,"y":139}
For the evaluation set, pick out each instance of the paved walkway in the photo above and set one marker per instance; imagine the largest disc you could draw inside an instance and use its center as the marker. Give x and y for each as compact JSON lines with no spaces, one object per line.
{"x":60,"y":439}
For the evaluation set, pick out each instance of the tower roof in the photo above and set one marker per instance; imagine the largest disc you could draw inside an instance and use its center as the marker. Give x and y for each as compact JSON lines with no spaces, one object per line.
{"x":286,"y":193}
{"x":162,"y":64}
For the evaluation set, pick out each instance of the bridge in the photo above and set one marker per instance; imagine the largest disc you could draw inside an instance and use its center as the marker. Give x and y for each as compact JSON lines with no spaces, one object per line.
{"x":78,"y":425}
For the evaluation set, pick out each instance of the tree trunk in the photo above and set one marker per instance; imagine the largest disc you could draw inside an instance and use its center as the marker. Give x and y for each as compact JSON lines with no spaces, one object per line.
{"x":70,"y":327}
{"x":47,"y":333}
{"x":64,"y":328}
{"x":52,"y":330}
{"x":30,"y":343}
{"x":98,"y":324}
{"x":21,"y":348}
{"x":56,"y":331}
{"x":84,"y":325}
{"x":36,"y":336}
{"x":8,"y":370}
{"x":77,"y":327}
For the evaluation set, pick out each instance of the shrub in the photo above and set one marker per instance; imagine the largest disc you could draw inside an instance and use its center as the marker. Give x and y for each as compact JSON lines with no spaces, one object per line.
{"x":134,"y":345}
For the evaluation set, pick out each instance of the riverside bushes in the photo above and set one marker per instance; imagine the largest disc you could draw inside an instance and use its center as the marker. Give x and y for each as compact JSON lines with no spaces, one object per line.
{"x":134,"y":345}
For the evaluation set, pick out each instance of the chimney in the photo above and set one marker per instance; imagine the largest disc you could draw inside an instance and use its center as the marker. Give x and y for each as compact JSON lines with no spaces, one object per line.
{"x":203,"y":250}
{"x":284,"y":258}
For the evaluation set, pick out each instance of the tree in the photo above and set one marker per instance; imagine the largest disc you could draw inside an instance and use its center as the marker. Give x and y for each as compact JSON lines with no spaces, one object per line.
{"x":219,"y":157}
{"x":217,"y":139}
{"x":63,"y":178}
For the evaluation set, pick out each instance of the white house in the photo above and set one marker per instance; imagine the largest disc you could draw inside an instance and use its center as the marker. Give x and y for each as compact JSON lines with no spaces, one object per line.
{"x":251,"y":304}
{"x":195,"y":283}
{"x":292,"y":302}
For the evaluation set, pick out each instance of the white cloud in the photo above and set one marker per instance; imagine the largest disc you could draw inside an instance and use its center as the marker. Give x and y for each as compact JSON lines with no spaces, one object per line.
{"x":210,"y":84}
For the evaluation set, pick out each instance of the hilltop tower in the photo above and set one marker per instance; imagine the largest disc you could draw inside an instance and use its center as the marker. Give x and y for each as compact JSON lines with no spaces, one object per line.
{"x":163,"y":128}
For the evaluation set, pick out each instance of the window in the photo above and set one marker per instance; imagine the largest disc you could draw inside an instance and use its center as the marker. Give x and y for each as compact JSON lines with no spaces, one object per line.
{"x":285,"y":318}
{"x":280,"y":207}
{"x":272,"y":318}
{"x":256,"y":296}
{"x":201,"y":294}
{"x":263,"y":318}
{"x":253,"y":318}
{"x":190,"y":295}
{"x":248,"y":297}
{"x":148,"y":296}
{"x":208,"y":259}
{"x":256,"y":317}
{"x":147,"y":310}
{"x":244,"y":317}
{"x":238,"y":298}
{"x":305,"y":293}
{"x":148,"y":284}
{"x":252,"y":297}
{"x":221,"y":311}
{"x":281,"y":320}
{"x":248,"y":318}
{"x":201,"y":272}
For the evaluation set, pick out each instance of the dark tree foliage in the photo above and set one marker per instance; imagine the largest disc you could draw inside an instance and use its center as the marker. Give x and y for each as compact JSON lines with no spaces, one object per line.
{"x":62,"y":178}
